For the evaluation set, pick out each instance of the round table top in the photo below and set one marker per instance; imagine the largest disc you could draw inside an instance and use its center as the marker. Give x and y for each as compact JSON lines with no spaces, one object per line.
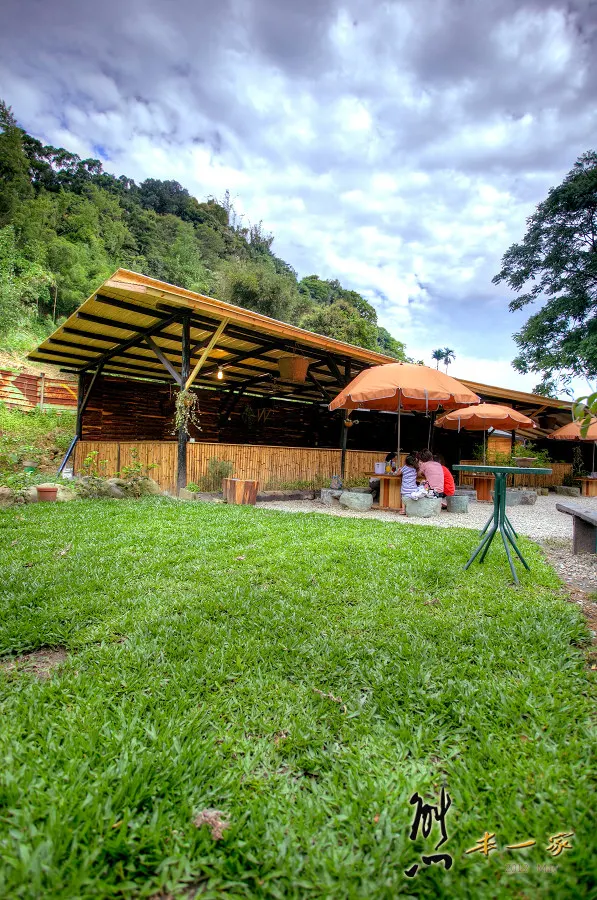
{"x":502,"y":470}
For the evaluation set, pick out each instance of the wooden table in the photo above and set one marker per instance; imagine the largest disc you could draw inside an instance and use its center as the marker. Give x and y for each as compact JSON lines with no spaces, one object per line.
{"x":483,"y":485}
{"x":588,"y":487}
{"x":389,"y":490}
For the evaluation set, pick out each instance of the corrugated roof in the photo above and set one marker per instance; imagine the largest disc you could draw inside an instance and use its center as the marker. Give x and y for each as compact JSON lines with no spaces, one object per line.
{"x":129,"y":313}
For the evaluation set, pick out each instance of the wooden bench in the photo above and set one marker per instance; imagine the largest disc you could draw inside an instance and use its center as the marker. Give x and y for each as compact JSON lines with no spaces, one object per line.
{"x":584,"y":527}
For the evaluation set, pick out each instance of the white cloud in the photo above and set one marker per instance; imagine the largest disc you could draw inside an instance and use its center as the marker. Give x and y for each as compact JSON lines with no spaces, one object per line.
{"x":397,"y":147}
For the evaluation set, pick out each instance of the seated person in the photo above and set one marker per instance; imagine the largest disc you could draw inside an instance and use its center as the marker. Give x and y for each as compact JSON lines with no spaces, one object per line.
{"x":409,"y":480}
{"x":432,"y":472}
{"x":449,"y":486}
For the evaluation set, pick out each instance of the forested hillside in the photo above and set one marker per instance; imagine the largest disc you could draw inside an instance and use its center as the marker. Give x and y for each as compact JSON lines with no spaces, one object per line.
{"x":66,"y":225}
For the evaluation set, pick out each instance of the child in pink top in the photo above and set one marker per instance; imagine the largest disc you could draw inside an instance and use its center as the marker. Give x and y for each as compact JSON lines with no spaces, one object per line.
{"x":432,"y":472}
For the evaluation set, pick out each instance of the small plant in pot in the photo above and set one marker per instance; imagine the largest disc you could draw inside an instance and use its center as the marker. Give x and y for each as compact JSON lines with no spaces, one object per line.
{"x":29,"y":458}
{"x":46,"y":493}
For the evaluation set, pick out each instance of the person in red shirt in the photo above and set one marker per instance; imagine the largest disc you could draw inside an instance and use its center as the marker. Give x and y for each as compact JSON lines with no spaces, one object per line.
{"x":449,"y":486}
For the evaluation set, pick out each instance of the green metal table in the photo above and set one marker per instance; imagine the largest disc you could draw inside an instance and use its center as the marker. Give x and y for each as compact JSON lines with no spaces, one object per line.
{"x":498,"y":520}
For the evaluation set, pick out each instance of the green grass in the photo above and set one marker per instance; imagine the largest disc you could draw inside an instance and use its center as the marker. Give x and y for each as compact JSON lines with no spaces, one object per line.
{"x":47,"y":430}
{"x":199,"y":636}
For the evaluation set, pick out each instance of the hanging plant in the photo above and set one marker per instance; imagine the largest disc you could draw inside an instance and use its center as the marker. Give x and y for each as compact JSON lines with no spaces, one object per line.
{"x":186,"y":411}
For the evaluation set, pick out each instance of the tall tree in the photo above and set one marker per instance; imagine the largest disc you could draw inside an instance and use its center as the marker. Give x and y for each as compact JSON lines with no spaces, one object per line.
{"x":438,"y":356}
{"x":556,"y":265}
{"x":448,"y":357}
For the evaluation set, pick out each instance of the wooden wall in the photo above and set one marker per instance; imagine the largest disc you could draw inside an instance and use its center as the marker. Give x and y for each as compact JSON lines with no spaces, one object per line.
{"x":125,"y":410}
{"x":24,"y":391}
{"x":271,"y":466}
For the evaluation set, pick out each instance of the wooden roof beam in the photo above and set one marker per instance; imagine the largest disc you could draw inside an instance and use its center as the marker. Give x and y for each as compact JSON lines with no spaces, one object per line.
{"x":163,"y":359}
{"x":143,"y":332}
{"x":214,"y":338}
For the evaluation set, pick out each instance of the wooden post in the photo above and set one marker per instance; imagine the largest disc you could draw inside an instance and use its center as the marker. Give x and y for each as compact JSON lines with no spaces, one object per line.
{"x":343,"y":442}
{"x":42,"y":384}
{"x":181,"y":475}
{"x":240,"y":491}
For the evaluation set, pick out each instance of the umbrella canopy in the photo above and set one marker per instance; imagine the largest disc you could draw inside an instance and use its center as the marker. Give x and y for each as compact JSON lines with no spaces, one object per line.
{"x":571,"y":432}
{"x":484,"y":416}
{"x":403,"y":386}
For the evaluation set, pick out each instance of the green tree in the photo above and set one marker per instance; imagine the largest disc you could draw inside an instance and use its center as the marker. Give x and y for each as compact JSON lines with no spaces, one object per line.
{"x":556,"y":265}
{"x":438,"y":356}
{"x":14,"y":169}
{"x":389,"y":345}
{"x":448,"y":357}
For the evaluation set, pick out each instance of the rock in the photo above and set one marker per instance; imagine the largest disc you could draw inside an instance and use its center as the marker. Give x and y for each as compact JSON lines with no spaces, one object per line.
{"x":149,"y":487}
{"x":90,"y":488}
{"x":28,"y":494}
{"x":64,"y":493}
{"x":359,"y":502}
{"x":359,"y":490}
{"x":542,"y":491}
{"x":184,"y":494}
{"x":528,"y":498}
{"x":513,"y":497}
{"x":330,"y":496}
{"x":457,"y":503}
{"x":566,"y":491}
{"x":423,"y":508}
{"x":7,"y":496}
{"x":302,"y":494}
{"x":467,"y":492}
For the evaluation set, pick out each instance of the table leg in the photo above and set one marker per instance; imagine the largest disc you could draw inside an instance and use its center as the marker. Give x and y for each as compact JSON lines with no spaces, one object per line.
{"x":499,"y":521}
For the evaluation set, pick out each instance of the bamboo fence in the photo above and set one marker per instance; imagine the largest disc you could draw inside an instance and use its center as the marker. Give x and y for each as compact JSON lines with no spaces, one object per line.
{"x":558,"y":471}
{"x":271,"y":466}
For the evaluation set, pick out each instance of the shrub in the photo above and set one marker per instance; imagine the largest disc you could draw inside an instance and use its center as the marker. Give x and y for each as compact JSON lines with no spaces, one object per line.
{"x":217,"y":469}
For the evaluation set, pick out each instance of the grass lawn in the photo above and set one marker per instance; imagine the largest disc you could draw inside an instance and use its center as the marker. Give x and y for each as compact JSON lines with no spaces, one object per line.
{"x":304,"y":675}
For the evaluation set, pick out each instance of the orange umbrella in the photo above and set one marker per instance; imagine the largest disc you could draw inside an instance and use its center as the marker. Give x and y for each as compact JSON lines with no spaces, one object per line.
{"x":483,"y":417}
{"x":406,"y":385}
{"x":571,"y":432}
{"x":399,"y":386}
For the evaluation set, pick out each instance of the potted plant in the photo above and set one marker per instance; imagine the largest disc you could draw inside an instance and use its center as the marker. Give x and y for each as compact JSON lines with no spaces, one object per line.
{"x":46,"y":493}
{"x":293,"y":368}
{"x":29,"y":457}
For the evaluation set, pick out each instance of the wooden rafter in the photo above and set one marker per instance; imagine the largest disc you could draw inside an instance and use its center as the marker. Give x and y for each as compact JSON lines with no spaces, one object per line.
{"x":214,"y":339}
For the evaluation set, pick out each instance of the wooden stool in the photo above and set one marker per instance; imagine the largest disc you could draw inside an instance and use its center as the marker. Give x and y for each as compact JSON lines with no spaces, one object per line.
{"x":483,"y":485}
{"x":239,"y":491}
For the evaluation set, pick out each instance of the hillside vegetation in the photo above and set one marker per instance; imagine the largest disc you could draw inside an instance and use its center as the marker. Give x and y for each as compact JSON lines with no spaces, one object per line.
{"x":66,"y":225}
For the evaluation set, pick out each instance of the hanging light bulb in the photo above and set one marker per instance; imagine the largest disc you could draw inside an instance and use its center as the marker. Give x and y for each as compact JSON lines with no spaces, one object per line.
{"x":220,"y":373}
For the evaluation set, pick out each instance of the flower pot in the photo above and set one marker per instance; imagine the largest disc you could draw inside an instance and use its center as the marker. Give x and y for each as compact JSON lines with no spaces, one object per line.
{"x":293,"y":368}
{"x":524,"y":462}
{"x":46,"y":494}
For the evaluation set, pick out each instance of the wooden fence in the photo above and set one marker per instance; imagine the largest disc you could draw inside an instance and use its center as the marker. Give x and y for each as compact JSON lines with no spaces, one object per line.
{"x":270,"y":466}
{"x":558,"y":471}
{"x":24,"y":391}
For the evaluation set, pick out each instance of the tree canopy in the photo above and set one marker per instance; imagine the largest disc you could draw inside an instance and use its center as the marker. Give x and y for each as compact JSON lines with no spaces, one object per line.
{"x":66,"y":225}
{"x":556,"y":265}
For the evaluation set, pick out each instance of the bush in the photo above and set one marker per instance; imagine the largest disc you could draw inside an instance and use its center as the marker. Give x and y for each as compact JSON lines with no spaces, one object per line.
{"x":217,"y":469}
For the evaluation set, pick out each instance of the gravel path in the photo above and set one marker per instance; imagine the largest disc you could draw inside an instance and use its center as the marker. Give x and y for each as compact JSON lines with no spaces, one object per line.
{"x":540,"y":522}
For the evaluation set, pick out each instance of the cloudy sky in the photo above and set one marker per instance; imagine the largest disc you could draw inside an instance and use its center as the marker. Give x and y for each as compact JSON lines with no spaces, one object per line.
{"x":397,"y":146}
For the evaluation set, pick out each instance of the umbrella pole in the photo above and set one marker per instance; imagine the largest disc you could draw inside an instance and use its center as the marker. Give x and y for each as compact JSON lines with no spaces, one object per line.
{"x":398,"y":435}
{"x":483,"y":447}
{"x":593,"y":469}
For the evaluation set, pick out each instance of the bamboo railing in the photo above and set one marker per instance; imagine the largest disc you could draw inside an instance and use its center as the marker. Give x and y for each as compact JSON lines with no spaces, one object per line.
{"x":558,"y":471}
{"x":273,"y":467}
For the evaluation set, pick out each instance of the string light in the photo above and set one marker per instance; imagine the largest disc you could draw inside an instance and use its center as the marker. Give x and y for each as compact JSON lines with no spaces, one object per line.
{"x":220,"y":373}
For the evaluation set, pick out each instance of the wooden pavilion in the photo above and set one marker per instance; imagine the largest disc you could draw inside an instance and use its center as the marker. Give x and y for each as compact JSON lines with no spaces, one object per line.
{"x":137,"y":342}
